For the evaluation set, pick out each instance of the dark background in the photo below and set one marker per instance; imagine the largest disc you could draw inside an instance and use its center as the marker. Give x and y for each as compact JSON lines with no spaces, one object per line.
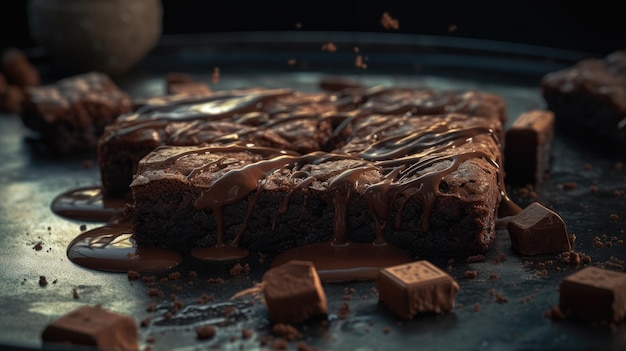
{"x":596,"y":26}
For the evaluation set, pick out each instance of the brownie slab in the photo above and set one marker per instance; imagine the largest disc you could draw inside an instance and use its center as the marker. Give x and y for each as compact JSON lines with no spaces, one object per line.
{"x":590,"y":97}
{"x":71,"y":114}
{"x":430,"y":184}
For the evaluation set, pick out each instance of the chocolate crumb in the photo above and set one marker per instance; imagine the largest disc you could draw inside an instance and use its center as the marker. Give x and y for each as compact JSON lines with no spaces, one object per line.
{"x":476,"y":307}
{"x":133,"y":275}
{"x":344,"y":311}
{"x":75,"y":294}
{"x":493,"y":276}
{"x":452,"y":28}
{"x":145,"y":322}
{"x":151,"y":307}
{"x":216,"y":280}
{"x":389,"y":22}
{"x":83,"y":227}
{"x":290,"y":62}
{"x":470,"y":274}
{"x":498,"y":297}
{"x":287,"y":331}
{"x":205,"y":332}
{"x":246,"y":333}
{"x":476,"y":258}
{"x":614,"y":217}
{"x":42,"y":280}
{"x":569,"y":185}
{"x":38,"y":246}
{"x":329,"y":47}
{"x":387,"y":330}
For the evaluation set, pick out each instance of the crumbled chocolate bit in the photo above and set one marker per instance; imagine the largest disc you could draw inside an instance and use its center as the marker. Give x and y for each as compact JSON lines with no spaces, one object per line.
{"x":470,"y":274}
{"x":476,"y":258}
{"x":291,"y":62}
{"x":493,"y":276}
{"x":217,"y":280}
{"x":476,"y":307}
{"x":452,"y":28}
{"x":614,"y":217}
{"x":75,"y":294}
{"x":287,"y":331}
{"x":359,"y":62}
{"x":389,"y":22}
{"x":133,"y":275}
{"x":329,"y":47}
{"x":303,"y":346}
{"x":239,"y":269}
{"x":153,"y":292}
{"x":498,"y":297}
{"x":42,"y":280}
{"x":569,"y":185}
{"x":246,"y":333}
{"x":145,"y":322}
{"x":205,"y":332}
{"x":38,"y":246}
{"x":386,"y":330}
{"x":344,"y":311}
{"x":193,"y":274}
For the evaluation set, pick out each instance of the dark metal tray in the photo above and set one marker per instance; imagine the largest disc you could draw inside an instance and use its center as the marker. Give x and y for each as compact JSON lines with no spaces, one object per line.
{"x":30,"y":178}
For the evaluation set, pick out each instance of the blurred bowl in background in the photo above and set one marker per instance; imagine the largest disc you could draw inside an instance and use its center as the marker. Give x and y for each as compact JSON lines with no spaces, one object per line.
{"x":110,"y":36}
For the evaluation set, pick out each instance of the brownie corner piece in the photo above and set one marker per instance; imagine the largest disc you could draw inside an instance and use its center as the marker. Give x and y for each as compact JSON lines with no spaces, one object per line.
{"x":71,"y":113}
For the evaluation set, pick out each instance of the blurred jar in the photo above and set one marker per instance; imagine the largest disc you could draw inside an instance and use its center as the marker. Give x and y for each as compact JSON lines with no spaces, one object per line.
{"x":110,"y":36}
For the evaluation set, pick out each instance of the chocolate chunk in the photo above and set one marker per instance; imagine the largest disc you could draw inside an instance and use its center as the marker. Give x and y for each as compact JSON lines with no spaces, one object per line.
{"x":594,"y":294}
{"x":293,"y":292}
{"x":93,"y":326}
{"x":538,"y":230}
{"x":417,"y":287}
{"x":528,"y":146}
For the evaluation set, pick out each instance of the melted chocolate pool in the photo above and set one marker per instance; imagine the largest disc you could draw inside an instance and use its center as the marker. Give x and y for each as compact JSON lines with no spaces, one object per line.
{"x":112,"y":248}
{"x":87,"y":204}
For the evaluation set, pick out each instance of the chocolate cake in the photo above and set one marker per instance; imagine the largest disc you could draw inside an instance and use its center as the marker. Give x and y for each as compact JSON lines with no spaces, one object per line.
{"x":71,"y":114}
{"x":430,"y":184}
{"x":590,"y":97}
{"x":280,"y":118}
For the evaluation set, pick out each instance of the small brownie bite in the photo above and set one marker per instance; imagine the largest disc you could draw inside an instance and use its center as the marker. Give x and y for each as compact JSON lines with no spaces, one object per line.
{"x":93,"y":326}
{"x":590,"y":97}
{"x":594,"y":294}
{"x":294,"y":293}
{"x":538,"y":230}
{"x":528,"y":148}
{"x":71,"y":114}
{"x":415,"y":288}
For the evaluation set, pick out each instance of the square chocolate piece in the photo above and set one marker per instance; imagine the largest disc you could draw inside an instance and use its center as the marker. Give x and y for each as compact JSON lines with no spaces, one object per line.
{"x":93,"y":326}
{"x":594,"y":294}
{"x":417,"y":287}
{"x":293,"y":292}
{"x":528,"y":147}
{"x":538,"y":230}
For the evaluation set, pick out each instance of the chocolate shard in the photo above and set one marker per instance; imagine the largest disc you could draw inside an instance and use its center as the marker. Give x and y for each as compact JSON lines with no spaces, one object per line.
{"x":93,"y":326}
{"x":528,"y":147}
{"x":294,"y":293}
{"x":538,"y":230}
{"x":594,"y":294}
{"x":417,"y":287}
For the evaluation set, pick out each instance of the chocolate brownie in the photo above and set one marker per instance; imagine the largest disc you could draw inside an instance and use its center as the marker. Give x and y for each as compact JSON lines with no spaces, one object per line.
{"x":71,"y":113}
{"x":279,"y":118}
{"x":590,"y":97}
{"x":429,"y":184}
